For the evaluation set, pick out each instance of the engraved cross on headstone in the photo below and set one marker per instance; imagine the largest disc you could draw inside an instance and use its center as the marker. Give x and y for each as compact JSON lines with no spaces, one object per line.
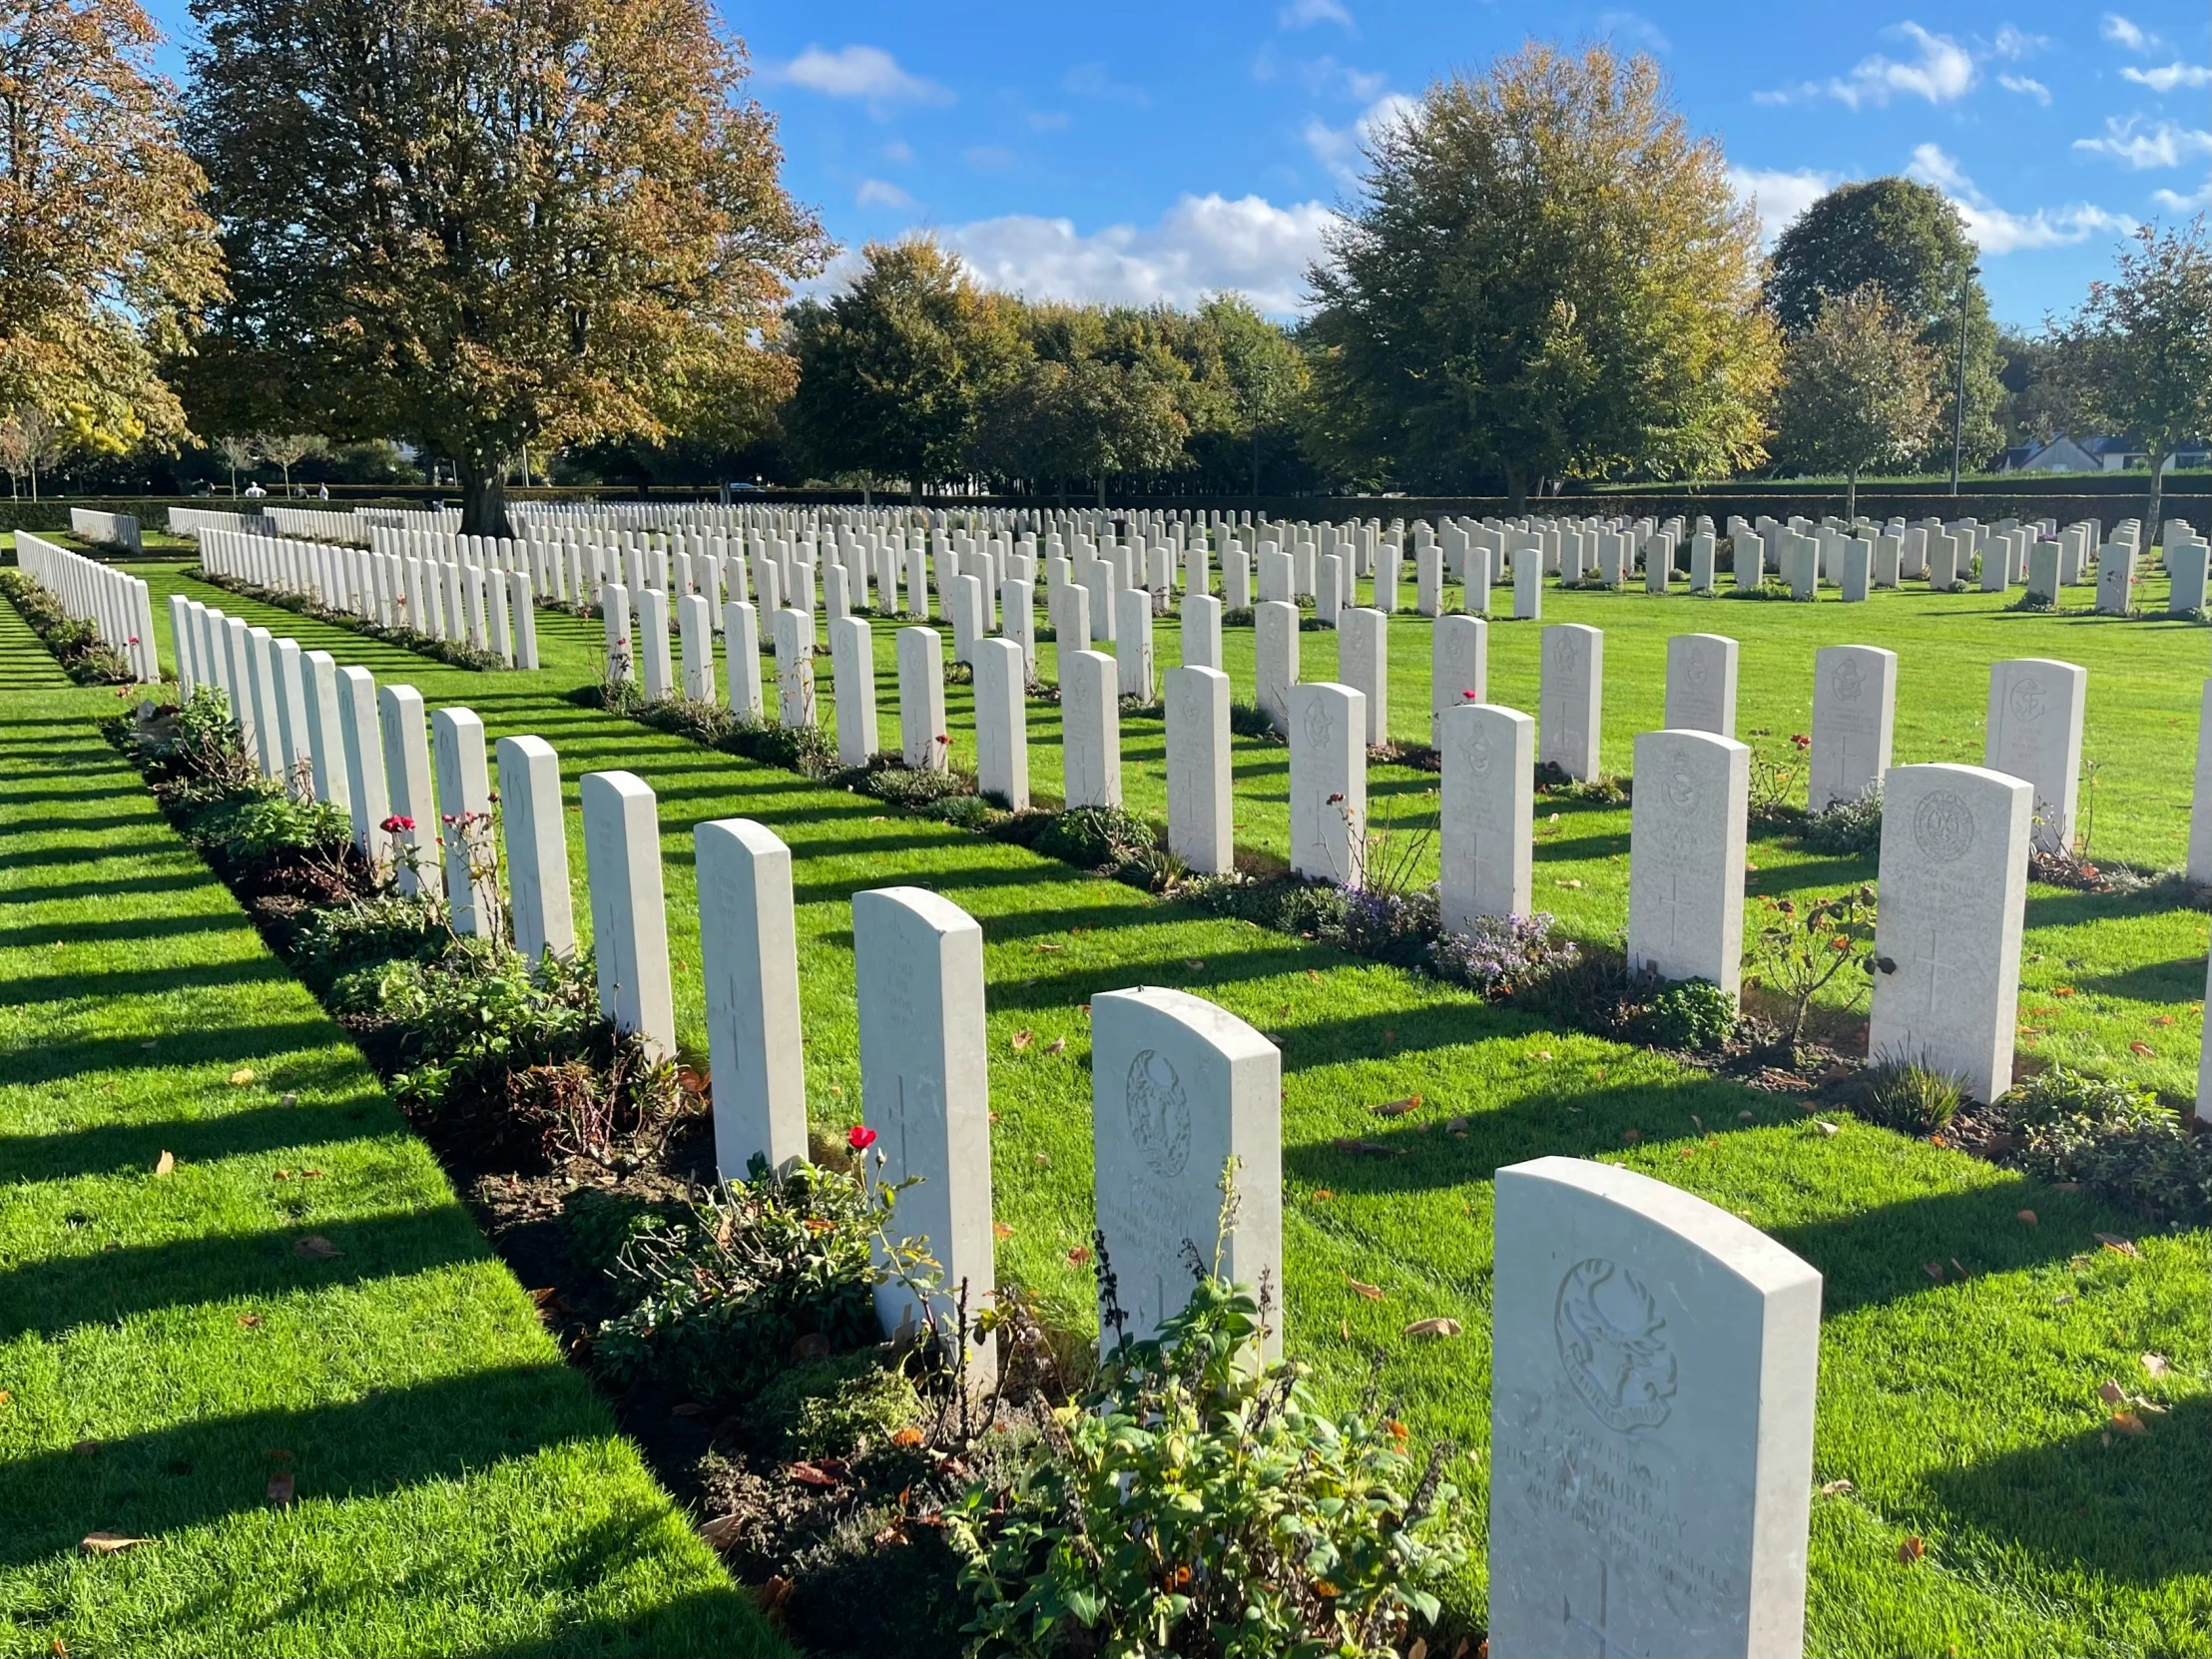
{"x":1607,"y":1641}
{"x":1932,"y":955}
{"x":1670,"y":906}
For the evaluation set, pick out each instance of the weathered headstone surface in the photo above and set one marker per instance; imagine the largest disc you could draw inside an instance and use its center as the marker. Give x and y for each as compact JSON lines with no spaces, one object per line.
{"x":1686,"y":857}
{"x":1329,"y":783}
{"x":1001,"y":723}
{"x":464,"y":819}
{"x":921,"y":700}
{"x":2116,"y":578}
{"x":1180,"y":1091}
{"x":1201,"y":829}
{"x":655,"y":670}
{"x":1528,"y":584}
{"x":1090,"y":729}
{"x":795,"y":668}
{"x":1201,"y":631}
{"x":1857,"y":577}
{"x":629,"y":913}
{"x":2199,"y":869}
{"x":1653,"y":1364}
{"x":2035,"y":733}
{"x":740,"y":633}
{"x":1488,"y":805}
{"x":407,"y":742}
{"x":360,"y":728}
{"x":1019,"y":619}
{"x":537,"y":848}
{"x":1274,"y":660}
{"x":1572,"y":692}
{"x":1854,"y":704}
{"x":614,"y":607}
{"x":1459,"y":666}
{"x":695,"y":628}
{"x":964,"y":606}
{"x":1363,"y":663}
{"x":318,"y":683}
{"x":853,"y":675}
{"x":1953,"y":883}
{"x":1133,"y":641}
{"x":1701,"y":683}
{"x":749,"y":957}
{"x":925,"y":1090}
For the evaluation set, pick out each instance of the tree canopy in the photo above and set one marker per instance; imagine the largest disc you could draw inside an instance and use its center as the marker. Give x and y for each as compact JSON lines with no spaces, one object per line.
{"x":483,"y":226}
{"x":1545,"y":275}
{"x":106,"y":258}
{"x":1858,"y":388}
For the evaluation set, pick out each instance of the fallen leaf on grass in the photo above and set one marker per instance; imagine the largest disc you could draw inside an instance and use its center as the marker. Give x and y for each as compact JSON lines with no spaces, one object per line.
{"x":2113,"y":1241}
{"x":241,"y":1078}
{"x":1933,"y":1270}
{"x":1048,"y":945}
{"x":2127,"y":1423}
{"x":1567,"y":883}
{"x":1911,"y":1550}
{"x":1824,"y":1127}
{"x":1321,"y":1194}
{"x":1058,"y":1045}
{"x":1194,"y":961}
{"x":907,"y":1437}
{"x":282,"y":1488}
{"x":1836,"y":1488}
{"x":1023,"y":1038}
{"x":2156,"y":1364}
{"x":2111,"y":1392}
{"x":85,"y":1448}
{"x":1455,"y":1126}
{"x":109,"y":1543}
{"x":774,"y":1593}
{"x":315,"y":1247}
{"x":2163,"y":1019}
{"x":1080,"y":1256}
{"x":2062,"y":990}
{"x":686,"y":1408}
{"x":810,"y":1475}
{"x":1373,"y":1149}
{"x":2143,"y":1049}
{"x":1398,"y":1108}
{"x":251,"y":1321}
{"x":2026,"y":1218}
{"x":1431,"y":1327}
{"x":1632,"y":1135}
{"x":166,"y":1164}
{"x":1543,"y":1053}
{"x":999,"y":1230}
{"x":1374,"y":1293}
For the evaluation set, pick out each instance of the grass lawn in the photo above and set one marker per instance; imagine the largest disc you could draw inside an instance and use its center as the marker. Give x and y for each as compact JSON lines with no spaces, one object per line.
{"x":166,"y":1347}
{"x":1963,"y":1413}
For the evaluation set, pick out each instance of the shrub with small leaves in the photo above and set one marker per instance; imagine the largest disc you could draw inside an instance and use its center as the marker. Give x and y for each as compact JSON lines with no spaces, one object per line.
{"x":1804,"y":945}
{"x":2114,"y":1138}
{"x":1690,"y":1013}
{"x":1094,"y":837}
{"x":1493,"y":955}
{"x":1849,"y":829}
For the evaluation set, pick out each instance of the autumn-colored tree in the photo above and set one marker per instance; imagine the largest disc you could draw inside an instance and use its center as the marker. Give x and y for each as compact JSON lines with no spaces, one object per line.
{"x":31,"y":441}
{"x":1545,"y":275}
{"x":488,"y":226}
{"x":106,"y":258}
{"x":1859,"y":389}
{"x":236,"y":450}
{"x":288,"y":449}
{"x":894,"y":370}
{"x":2138,"y":355}
{"x":1265,"y":370}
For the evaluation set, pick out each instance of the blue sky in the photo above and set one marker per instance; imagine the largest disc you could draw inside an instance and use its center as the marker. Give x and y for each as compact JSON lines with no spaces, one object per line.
{"x":1149,"y":151}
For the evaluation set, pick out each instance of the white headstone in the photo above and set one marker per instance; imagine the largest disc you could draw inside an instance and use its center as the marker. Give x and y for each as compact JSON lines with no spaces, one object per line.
{"x":1364,"y":663}
{"x":629,"y":915}
{"x":1488,"y":803}
{"x":2199,"y":869}
{"x":2116,"y":578}
{"x":741,"y":634}
{"x":1528,"y":584}
{"x":360,"y":730}
{"x":795,"y":668}
{"x":1329,"y":783}
{"x":1854,"y":704}
{"x":465,"y":820}
{"x":1201,"y":631}
{"x":1181,"y":1091}
{"x":924,"y":738}
{"x":613,"y":606}
{"x":1701,"y":683}
{"x":695,"y":626}
{"x":1653,"y":1369}
{"x":1001,"y":723}
{"x":2035,"y":733}
{"x":536,"y":840}
{"x":655,"y":670}
{"x":749,"y":957}
{"x":1274,"y":659}
{"x":407,"y":742}
{"x":1090,"y":728}
{"x":1572,"y":693}
{"x":1686,"y":857}
{"x":318,"y":684}
{"x":852,"y":672}
{"x":1459,"y":666}
{"x":1133,"y":641}
{"x":925,"y":1089}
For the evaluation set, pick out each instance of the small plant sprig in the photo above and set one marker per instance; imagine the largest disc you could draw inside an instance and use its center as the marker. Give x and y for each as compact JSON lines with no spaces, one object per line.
{"x":1804,"y":946}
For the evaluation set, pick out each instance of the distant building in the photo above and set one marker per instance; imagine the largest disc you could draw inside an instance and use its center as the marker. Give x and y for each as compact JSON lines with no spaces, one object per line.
{"x":2102,"y":454}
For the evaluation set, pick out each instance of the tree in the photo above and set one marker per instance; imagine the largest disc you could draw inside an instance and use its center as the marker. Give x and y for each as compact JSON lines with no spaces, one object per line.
{"x":288,"y":449}
{"x":2138,"y":355}
{"x":1544,"y":274}
{"x":1908,"y":239}
{"x":1265,"y":372}
{"x":479,"y":227}
{"x":1859,"y":389}
{"x":894,"y":372}
{"x":2036,"y":403}
{"x":236,"y":452}
{"x":31,"y":441}
{"x":1089,"y":419}
{"x":106,"y":258}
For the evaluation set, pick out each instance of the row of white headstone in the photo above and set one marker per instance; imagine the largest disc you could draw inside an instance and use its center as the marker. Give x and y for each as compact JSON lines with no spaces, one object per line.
{"x":488,"y":608}
{"x":117,"y":605}
{"x":119,"y":530}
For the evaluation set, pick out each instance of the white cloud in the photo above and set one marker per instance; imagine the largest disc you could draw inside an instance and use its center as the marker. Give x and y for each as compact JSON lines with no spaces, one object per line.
{"x":1633,"y":26}
{"x":1090,"y":80}
{"x":898,"y":151}
{"x":2175,"y":201}
{"x":1340,"y":148}
{"x":2168,"y":76}
{"x":2019,"y":43}
{"x":2164,"y":145}
{"x":881,"y":193}
{"x":2027,"y":87}
{"x":1994,"y":230}
{"x":1304,"y":14}
{"x":1326,"y":77}
{"x":2121,"y":32}
{"x":988,"y":158}
{"x":1046,"y":120}
{"x":865,"y":72}
{"x":1202,"y":244}
{"x":1942,"y":71}
{"x":1779,"y":196}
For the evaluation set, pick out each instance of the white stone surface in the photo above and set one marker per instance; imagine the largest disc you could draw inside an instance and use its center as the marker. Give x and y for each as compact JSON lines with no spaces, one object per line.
{"x":1001,"y":723}
{"x":1329,"y":783}
{"x":1954,"y":889}
{"x":407,"y":742}
{"x":1274,"y":659}
{"x":1487,"y":808}
{"x":629,"y":913}
{"x":748,"y":958}
{"x":536,"y":840}
{"x":1854,"y":706}
{"x":1686,"y":857}
{"x":1701,"y":683}
{"x":1572,"y":693}
{"x":1653,"y":1370}
{"x":795,"y":668}
{"x":1090,"y":728}
{"x":852,"y":672}
{"x":613,"y":606}
{"x":465,"y":820}
{"x":1528,"y":584}
{"x":360,"y":728}
{"x":1133,"y":641}
{"x":695,"y":627}
{"x":1201,"y":825}
{"x":2036,"y":707}
{"x":318,"y":684}
{"x":921,"y":700}
{"x":655,"y":672}
{"x":1459,"y":666}
{"x":1201,"y":631}
{"x":1182,"y":1090}
{"x":1363,"y":663}
{"x":925,"y":1090}
{"x":2200,"y":808}
{"x":740,"y":635}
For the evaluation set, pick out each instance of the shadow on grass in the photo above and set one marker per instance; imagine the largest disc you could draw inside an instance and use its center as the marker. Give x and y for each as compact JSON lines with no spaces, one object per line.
{"x":57,"y":1293}
{"x":111,"y":1148}
{"x":2128,"y":1508}
{"x":115,"y":929}
{"x":2181,"y":980}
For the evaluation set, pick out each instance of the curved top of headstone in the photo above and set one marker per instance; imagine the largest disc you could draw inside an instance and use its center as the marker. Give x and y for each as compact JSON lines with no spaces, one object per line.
{"x":756,"y":837}
{"x":1728,"y":1241}
{"x":624,"y":786}
{"x":899,"y":906}
{"x":1212,"y":1025}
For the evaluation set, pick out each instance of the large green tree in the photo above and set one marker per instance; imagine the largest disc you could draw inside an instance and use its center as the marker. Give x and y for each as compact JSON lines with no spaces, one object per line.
{"x":1265,"y":371}
{"x":1545,"y":275}
{"x":894,"y":370}
{"x":106,"y":258}
{"x":2138,"y":355}
{"x":1090,"y":418}
{"x":1859,"y":389}
{"x":1906,"y":239}
{"x":484,"y":226}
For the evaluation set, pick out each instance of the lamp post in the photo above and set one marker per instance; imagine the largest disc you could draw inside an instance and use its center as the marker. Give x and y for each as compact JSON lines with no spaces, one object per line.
{"x":1959,"y":399}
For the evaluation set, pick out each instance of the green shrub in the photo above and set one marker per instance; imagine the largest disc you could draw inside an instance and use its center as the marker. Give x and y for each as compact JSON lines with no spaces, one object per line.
{"x":1094,"y":837}
{"x":382,"y":928}
{"x":2061,"y":1095}
{"x":719,"y":1298}
{"x":600,"y":1222}
{"x":1200,"y":1503}
{"x":1849,"y":829}
{"x":1249,"y":719}
{"x":256,"y":828}
{"x":912,"y":787}
{"x":836,"y":1408}
{"x":1908,"y":1096}
{"x":1690,"y":1013}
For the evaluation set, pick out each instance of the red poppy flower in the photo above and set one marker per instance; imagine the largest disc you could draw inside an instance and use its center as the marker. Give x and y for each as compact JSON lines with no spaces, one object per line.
{"x":860,"y":1136}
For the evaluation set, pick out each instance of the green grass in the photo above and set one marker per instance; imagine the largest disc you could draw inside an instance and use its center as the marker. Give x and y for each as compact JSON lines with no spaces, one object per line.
{"x":1965,"y":1414}
{"x":164,"y":1347}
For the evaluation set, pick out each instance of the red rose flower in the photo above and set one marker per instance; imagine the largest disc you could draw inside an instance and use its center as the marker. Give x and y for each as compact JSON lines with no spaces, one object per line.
{"x":860,"y":1136}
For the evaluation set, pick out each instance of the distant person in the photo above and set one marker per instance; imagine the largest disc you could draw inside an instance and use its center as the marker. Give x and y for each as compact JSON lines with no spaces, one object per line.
{"x":322,"y":492}
{"x":254,"y":489}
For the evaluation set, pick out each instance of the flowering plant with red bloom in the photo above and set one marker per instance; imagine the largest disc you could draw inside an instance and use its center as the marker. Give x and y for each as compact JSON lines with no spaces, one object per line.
{"x":860,"y":1136}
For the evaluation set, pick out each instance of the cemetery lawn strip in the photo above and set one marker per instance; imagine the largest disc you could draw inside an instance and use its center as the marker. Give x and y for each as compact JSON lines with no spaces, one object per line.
{"x":1963,"y":1413}
{"x":171,"y":1343}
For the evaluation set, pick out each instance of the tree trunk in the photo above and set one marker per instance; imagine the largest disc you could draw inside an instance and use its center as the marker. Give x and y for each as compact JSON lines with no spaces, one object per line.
{"x":913,"y":490}
{"x":1255,"y":464}
{"x":1516,"y":491}
{"x":483,"y":497}
{"x":1102,"y":492}
{"x":1850,"y":498}
{"x":2158,"y":456}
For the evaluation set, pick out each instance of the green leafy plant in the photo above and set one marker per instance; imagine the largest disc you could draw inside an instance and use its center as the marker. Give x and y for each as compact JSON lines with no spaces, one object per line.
{"x":1803,"y":947}
{"x":1848,"y":828}
{"x":1199,"y":1503}
{"x":1690,"y":1013}
{"x":1908,"y":1095}
{"x":1775,"y":772}
{"x":2114,"y":1138}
